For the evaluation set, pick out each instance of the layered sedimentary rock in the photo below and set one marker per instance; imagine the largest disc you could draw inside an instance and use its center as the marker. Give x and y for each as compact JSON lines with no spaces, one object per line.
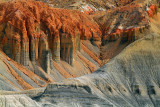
{"x":130,"y":79}
{"x":60,"y":43}
{"x":55,"y":44}
{"x":124,"y":18}
{"x":121,"y":22}
{"x":15,"y":77}
{"x":27,"y":23}
{"x":34,"y":35}
{"x":78,"y":94}
{"x":123,"y":25}
{"x":73,"y":4}
{"x":17,"y":100}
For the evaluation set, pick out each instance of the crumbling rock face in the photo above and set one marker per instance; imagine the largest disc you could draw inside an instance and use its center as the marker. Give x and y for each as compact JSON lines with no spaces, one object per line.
{"x":73,"y":4}
{"x":33,"y":31}
{"x":58,"y":94}
{"x":124,"y":18}
{"x":121,"y":21}
{"x":116,"y":3}
{"x":15,"y":77}
{"x":124,"y":21}
{"x":123,"y":25}
{"x":130,"y":79}
{"x":48,"y":39}
{"x":60,"y":42}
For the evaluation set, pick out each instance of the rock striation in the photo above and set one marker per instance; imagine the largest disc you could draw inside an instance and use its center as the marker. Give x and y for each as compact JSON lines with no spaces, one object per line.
{"x":31,"y":30}
{"x":58,"y":43}
{"x":125,"y":22}
{"x":15,"y":77}
{"x":123,"y":25}
{"x":130,"y":79}
{"x":17,"y":100}
{"x":55,"y":44}
{"x":46,"y":40}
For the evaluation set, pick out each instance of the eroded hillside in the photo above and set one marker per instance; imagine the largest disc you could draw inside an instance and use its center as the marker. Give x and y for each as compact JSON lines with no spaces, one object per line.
{"x":130,"y":79}
{"x":45,"y":51}
{"x":55,"y":44}
{"x":48,"y":41}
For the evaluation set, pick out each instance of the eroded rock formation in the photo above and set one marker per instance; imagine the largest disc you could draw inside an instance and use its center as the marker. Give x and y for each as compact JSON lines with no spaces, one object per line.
{"x":58,"y":42}
{"x":15,"y":77}
{"x":123,"y":21}
{"x":130,"y":79}
{"x":34,"y":32}
{"x":30,"y":29}
{"x":55,"y":44}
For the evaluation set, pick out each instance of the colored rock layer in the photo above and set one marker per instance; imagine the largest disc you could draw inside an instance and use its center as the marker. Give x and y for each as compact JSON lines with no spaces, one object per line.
{"x":152,"y":11}
{"x":15,"y":77}
{"x":131,"y":79}
{"x":123,"y":21}
{"x":74,"y":4}
{"x":130,"y":33}
{"x":32,"y":30}
{"x":36,"y":34}
{"x":57,"y":44}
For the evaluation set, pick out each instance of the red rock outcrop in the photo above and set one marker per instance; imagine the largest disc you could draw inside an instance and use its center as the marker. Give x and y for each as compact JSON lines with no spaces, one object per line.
{"x":153,"y":10}
{"x":123,"y":21}
{"x":32,"y":30}
{"x":32,"y":33}
{"x":139,"y":23}
{"x":58,"y":43}
{"x":122,"y":25}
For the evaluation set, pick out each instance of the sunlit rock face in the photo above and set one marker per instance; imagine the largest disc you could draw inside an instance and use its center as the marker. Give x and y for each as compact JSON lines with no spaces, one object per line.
{"x":25,"y":27}
{"x":123,"y":25}
{"x":121,"y":21}
{"x":130,"y":79}
{"x":15,"y":77}
{"x":40,"y":37}
{"x":42,"y":46}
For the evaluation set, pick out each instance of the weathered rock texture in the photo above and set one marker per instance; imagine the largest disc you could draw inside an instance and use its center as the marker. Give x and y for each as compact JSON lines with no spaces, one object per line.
{"x":35,"y":28}
{"x":15,"y":77}
{"x":40,"y":38}
{"x":121,"y":21}
{"x":57,"y":43}
{"x":125,"y":21}
{"x":131,"y":79}
{"x":123,"y":25}
{"x":17,"y":101}
{"x":74,"y":4}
